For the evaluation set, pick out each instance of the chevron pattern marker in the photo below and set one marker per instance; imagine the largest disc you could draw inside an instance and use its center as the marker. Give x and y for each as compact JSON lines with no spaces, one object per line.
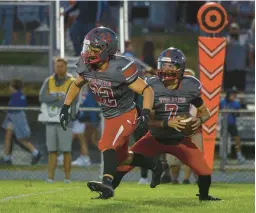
{"x":211,"y":65}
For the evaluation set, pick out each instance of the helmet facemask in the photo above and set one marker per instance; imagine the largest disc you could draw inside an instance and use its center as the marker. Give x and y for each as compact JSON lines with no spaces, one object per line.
{"x":168,"y":70}
{"x":92,"y":54}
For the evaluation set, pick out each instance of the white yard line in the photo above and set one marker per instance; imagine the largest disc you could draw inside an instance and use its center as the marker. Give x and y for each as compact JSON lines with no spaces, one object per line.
{"x":34,"y":194}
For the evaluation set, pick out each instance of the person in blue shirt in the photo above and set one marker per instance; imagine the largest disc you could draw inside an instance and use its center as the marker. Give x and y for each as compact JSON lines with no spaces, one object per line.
{"x":230,"y":102}
{"x":128,"y":52}
{"x":90,"y":14}
{"x":15,"y":124}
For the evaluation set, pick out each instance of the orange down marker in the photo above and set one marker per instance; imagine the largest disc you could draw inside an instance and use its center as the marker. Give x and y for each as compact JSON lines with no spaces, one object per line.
{"x":212,"y":19}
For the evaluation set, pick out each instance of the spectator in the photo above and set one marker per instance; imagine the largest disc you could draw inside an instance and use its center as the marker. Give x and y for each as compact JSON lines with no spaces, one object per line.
{"x":242,"y":12}
{"x":230,"y":102}
{"x":16,"y":124}
{"x":83,"y":119}
{"x":111,"y":15}
{"x":251,"y":44}
{"x":128,"y":52}
{"x":148,"y":54}
{"x":6,"y":22}
{"x":27,"y":20}
{"x":53,"y":93}
{"x":235,"y":61}
{"x":90,"y":13}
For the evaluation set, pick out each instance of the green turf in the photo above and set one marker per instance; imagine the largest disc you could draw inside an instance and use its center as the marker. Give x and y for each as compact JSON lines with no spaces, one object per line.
{"x":130,"y":198}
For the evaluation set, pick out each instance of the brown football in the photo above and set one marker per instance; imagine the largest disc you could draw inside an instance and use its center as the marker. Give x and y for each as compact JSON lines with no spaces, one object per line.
{"x":187,"y":131}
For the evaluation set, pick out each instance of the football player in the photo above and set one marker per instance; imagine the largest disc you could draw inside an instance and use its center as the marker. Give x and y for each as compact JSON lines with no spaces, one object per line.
{"x":114,"y":81}
{"x":174,"y":93}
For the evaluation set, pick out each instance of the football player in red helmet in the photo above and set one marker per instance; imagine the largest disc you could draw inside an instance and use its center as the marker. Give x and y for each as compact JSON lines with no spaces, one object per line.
{"x":114,"y":80}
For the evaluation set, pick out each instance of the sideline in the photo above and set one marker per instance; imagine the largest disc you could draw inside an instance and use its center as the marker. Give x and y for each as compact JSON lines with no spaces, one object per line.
{"x":35,"y":194}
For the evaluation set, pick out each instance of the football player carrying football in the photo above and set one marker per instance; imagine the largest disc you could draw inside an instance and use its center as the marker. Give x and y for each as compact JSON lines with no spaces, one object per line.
{"x":173,"y":95}
{"x":114,"y":80}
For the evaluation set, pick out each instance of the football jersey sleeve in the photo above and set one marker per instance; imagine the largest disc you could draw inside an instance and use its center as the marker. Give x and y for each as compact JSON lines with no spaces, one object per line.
{"x":81,"y":68}
{"x":130,"y":72}
{"x":194,"y":87}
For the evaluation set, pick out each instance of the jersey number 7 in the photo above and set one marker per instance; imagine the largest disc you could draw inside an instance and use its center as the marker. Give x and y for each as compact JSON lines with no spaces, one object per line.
{"x":172,"y":108}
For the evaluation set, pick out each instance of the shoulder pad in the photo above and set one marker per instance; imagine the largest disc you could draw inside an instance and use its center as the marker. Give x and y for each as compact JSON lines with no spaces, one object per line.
{"x":192,"y":82}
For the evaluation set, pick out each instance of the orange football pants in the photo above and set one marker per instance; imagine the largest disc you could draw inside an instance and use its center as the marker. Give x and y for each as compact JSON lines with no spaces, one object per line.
{"x":117,"y":132}
{"x":186,"y":151}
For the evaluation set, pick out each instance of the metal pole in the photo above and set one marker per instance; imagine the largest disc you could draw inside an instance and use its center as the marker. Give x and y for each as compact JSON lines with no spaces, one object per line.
{"x":51,"y":47}
{"x":223,"y":141}
{"x":126,"y":21}
{"x":62,"y":34}
{"x":121,"y":27}
{"x":57,"y":26}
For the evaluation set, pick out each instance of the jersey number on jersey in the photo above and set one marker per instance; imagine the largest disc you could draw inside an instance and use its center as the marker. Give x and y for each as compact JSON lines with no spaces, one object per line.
{"x":105,"y":94}
{"x":172,"y":108}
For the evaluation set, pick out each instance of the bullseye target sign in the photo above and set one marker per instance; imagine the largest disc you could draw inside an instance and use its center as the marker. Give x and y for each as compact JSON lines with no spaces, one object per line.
{"x":212,"y":18}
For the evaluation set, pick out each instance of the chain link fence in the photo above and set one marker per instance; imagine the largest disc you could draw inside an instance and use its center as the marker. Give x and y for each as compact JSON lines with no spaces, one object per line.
{"x":226,"y":167}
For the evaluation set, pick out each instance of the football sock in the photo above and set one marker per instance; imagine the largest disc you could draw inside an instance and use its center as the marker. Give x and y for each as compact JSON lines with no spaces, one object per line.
{"x":144,"y":173}
{"x":110,"y":166}
{"x":118,"y":177}
{"x":204,"y":183}
{"x":142,"y":161}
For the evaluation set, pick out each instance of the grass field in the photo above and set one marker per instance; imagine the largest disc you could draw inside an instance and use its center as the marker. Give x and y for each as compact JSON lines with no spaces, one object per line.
{"x":39,"y":197}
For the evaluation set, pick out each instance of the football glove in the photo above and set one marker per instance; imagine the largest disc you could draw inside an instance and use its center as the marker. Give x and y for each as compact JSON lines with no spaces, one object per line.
{"x":64,"y":117}
{"x":143,"y":119}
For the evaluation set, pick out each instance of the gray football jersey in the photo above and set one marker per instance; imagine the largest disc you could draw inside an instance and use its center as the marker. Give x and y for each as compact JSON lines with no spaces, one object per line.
{"x":111,"y":86}
{"x":171,"y":103}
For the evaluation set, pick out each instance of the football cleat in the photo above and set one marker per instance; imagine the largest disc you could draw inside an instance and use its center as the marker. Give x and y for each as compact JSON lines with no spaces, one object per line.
{"x":166,"y":178}
{"x":105,"y":191}
{"x":157,"y":172}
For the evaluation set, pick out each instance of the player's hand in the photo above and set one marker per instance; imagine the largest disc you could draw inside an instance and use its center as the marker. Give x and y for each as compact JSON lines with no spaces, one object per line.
{"x":64,"y":117}
{"x":143,"y":119}
{"x":196,"y":123}
{"x":176,"y":123}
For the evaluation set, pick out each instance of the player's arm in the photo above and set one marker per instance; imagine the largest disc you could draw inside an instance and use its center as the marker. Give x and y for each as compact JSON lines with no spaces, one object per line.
{"x":154,"y":123}
{"x":167,"y":123}
{"x":139,"y":86}
{"x":74,"y":90}
{"x":203,"y":112}
{"x":130,"y":74}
